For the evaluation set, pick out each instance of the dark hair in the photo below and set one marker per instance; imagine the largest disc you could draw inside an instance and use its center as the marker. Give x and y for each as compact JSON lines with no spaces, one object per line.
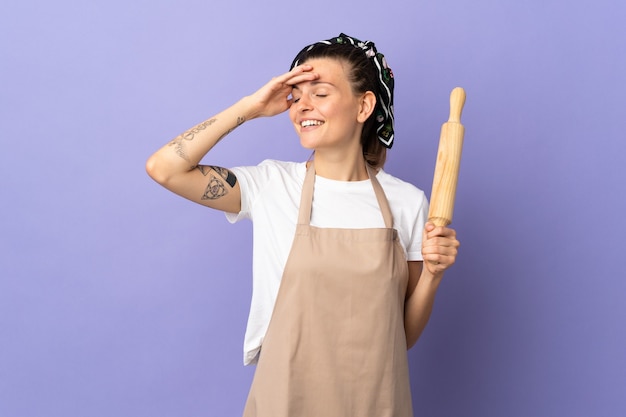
{"x":363,"y":77}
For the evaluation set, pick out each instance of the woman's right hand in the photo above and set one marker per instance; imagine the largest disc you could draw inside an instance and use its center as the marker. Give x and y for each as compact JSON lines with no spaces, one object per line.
{"x":275,"y":96}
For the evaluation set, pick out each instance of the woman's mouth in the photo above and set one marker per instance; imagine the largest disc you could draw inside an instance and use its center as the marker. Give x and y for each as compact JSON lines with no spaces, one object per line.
{"x":309,"y":123}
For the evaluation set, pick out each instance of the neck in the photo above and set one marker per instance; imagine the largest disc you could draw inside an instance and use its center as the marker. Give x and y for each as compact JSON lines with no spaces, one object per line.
{"x":340,"y":167}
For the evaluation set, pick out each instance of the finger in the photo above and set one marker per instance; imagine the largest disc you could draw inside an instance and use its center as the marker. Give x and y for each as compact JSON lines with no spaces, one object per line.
{"x":300,"y":74}
{"x":441,"y":254}
{"x":299,"y":70}
{"x":431,"y":230}
{"x":303,"y":67}
{"x":440,"y":231}
{"x":441,"y":241}
{"x":301,"y":78}
{"x":441,"y":249}
{"x":436,"y":251}
{"x":441,"y":262}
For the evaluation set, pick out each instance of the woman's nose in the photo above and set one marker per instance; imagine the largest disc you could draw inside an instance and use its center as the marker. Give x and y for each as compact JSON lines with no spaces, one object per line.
{"x":303,"y":104}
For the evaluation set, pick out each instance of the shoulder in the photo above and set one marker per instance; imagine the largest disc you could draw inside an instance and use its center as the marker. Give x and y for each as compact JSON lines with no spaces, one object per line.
{"x":268,"y":186}
{"x":396,"y":188}
{"x":270,"y":180}
{"x":271,"y":168}
{"x":285,"y":168}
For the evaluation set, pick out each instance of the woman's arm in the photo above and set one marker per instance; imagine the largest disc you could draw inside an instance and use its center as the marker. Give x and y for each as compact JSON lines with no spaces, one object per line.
{"x":439,"y":249}
{"x":176,"y":165}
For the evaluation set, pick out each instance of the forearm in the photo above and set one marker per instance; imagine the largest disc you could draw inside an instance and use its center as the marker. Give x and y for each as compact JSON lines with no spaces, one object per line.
{"x":184,"y":152}
{"x":419,"y":305}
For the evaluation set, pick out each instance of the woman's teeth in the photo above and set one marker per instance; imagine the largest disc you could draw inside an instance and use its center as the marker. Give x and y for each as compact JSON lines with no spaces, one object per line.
{"x":308,"y":123}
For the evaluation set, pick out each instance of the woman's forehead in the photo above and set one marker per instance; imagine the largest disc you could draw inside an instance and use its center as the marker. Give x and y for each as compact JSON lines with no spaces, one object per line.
{"x":330,"y":71}
{"x":327,"y":63}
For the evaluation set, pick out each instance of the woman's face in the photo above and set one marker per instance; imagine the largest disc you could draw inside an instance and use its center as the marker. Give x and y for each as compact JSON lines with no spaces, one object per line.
{"x":325,"y":112}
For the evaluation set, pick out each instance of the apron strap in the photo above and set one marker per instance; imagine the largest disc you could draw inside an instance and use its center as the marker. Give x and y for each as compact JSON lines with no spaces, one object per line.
{"x":306,"y":199}
{"x":381,"y":197}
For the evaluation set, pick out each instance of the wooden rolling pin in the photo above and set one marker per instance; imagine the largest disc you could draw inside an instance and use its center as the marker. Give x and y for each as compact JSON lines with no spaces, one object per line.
{"x":448,"y":162}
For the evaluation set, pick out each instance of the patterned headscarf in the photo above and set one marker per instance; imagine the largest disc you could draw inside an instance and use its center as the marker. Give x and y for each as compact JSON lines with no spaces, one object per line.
{"x":384,"y":102}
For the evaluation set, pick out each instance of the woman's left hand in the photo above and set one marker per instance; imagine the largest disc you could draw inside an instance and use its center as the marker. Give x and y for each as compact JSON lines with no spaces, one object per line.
{"x":439,"y":248}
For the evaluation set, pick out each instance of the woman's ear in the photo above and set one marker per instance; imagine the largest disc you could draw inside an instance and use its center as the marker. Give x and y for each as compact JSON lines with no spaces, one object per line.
{"x":367,"y":106}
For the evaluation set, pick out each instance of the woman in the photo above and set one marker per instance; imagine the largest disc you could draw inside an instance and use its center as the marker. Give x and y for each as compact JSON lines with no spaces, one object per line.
{"x":345,"y":266}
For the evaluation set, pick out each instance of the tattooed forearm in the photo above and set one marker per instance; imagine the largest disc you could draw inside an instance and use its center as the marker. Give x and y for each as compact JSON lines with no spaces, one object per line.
{"x":191,"y":133}
{"x":179,"y":142}
{"x":215,"y":189}
{"x":240,"y":121}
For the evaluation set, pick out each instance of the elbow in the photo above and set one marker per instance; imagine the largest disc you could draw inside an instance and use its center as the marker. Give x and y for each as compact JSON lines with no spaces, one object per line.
{"x":156,"y":171}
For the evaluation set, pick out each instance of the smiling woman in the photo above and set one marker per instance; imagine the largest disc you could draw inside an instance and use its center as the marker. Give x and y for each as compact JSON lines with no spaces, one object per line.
{"x":345,"y":266}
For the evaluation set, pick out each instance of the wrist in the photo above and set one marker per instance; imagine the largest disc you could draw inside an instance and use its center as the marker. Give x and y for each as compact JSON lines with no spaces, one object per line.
{"x":247,"y":108}
{"x":430,"y":278}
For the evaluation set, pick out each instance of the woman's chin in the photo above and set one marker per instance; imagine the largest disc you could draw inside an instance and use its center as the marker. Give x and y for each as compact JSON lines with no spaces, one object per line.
{"x":306,"y":143}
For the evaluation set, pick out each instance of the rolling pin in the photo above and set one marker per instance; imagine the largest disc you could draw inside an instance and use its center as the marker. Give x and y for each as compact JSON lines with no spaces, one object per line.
{"x":448,"y":162}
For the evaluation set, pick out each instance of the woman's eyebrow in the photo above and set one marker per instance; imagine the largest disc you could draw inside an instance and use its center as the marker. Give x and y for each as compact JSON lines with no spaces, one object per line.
{"x":314,"y":83}
{"x":317,"y":82}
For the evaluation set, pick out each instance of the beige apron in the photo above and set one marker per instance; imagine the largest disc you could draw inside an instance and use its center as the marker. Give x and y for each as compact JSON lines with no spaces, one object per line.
{"x":336,"y":345}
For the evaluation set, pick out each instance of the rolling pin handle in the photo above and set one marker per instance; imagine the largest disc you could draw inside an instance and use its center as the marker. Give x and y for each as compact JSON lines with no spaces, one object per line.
{"x":457,"y":101}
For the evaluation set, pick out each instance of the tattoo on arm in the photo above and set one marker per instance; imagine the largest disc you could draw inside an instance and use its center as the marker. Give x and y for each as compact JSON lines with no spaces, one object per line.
{"x":179,"y":141}
{"x":226,"y":174}
{"x":240,"y":121}
{"x":215,"y":189}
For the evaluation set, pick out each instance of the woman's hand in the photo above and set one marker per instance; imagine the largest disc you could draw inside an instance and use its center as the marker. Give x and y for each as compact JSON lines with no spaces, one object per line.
{"x":439,"y":248}
{"x":275,"y":96}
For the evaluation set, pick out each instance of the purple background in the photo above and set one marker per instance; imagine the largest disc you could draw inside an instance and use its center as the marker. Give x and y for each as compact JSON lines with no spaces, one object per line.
{"x":119,"y":299}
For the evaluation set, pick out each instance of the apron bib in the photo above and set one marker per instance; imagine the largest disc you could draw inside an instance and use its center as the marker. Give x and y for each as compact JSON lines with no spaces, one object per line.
{"x":335,"y":345}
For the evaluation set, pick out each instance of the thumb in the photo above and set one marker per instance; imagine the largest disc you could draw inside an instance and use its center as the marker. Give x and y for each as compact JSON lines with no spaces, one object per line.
{"x":429,"y":226}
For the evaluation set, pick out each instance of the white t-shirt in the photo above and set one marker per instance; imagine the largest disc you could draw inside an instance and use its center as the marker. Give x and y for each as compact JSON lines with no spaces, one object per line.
{"x":270,"y":197}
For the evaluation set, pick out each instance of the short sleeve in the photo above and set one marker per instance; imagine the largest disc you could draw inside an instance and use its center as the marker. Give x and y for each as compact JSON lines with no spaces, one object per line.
{"x":414,"y":245}
{"x":248,"y":189}
{"x":254,"y":180}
